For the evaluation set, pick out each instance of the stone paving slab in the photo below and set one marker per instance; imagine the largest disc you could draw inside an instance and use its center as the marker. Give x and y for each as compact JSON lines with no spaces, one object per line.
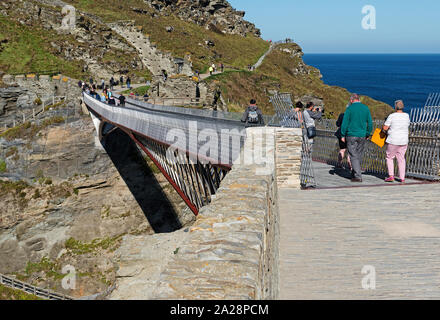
{"x":328,"y":236}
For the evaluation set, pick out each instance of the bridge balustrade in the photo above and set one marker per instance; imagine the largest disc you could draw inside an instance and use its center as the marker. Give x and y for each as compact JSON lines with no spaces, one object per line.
{"x":194,"y":149}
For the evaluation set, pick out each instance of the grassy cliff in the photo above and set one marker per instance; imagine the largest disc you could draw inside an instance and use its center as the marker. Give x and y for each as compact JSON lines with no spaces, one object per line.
{"x":284,"y":70}
{"x":25,"y":49}
{"x":186,"y":38}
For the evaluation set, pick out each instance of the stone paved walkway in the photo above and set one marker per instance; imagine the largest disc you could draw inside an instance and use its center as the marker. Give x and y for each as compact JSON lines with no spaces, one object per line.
{"x":328,"y":236}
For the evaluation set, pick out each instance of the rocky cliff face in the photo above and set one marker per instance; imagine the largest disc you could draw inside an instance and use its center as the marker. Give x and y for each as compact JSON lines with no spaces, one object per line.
{"x":213,"y":14}
{"x":68,"y":201}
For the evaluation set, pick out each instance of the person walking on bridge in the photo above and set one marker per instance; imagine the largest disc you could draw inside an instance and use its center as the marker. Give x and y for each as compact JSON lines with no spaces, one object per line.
{"x":355,"y":131}
{"x":397,"y":126}
{"x":128,"y":82}
{"x":253,"y":115}
{"x":122,"y":100}
{"x":342,"y":145}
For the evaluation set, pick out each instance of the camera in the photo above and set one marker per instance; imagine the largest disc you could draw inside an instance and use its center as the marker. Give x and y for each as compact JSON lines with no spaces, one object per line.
{"x":320,"y":108}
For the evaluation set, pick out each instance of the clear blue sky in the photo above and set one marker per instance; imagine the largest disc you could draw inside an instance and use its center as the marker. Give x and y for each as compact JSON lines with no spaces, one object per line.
{"x":326,"y":26}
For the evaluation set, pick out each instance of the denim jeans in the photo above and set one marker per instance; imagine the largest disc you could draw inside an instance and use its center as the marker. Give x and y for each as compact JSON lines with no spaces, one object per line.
{"x":355,"y":146}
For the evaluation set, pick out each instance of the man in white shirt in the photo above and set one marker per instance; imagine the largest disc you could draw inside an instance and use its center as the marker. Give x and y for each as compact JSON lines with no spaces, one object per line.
{"x":397,"y":126}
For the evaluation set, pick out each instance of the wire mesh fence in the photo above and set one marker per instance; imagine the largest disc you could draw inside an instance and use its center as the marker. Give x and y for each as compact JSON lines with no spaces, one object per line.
{"x":423,"y":155}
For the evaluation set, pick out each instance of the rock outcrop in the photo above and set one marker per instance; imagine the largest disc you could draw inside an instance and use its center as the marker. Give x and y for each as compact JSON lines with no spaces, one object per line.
{"x":217,"y":15}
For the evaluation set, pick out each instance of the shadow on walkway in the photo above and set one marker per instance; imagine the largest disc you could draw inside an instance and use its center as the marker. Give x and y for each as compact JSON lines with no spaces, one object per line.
{"x":328,"y":176}
{"x":141,"y":181}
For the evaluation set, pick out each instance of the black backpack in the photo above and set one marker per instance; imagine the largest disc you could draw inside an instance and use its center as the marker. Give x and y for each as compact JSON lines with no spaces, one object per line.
{"x":253,"y":116}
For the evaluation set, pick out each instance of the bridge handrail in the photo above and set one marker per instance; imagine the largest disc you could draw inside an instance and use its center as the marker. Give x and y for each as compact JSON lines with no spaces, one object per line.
{"x":156,"y":124}
{"x":234,"y":117}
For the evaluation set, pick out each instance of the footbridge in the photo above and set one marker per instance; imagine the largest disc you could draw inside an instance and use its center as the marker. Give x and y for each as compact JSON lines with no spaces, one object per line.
{"x":194,"y":149}
{"x":287,"y":223}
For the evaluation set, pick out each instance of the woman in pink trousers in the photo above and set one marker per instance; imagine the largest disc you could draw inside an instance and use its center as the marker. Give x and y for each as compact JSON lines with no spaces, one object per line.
{"x":397,"y":126}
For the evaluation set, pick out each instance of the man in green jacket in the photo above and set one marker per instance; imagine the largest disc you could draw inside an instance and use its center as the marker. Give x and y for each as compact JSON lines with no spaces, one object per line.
{"x":355,"y":130}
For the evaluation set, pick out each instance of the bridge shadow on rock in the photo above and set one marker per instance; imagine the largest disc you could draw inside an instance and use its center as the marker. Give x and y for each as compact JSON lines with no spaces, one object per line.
{"x":132,"y":167}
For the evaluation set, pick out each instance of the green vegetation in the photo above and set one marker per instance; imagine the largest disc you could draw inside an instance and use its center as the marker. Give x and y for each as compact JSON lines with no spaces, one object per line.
{"x":154,"y":169}
{"x":2,"y":166}
{"x":187,"y":39}
{"x":57,"y":105}
{"x":139,"y":90}
{"x":29,"y":130}
{"x":38,"y":101}
{"x":13,"y":187}
{"x":17,"y":189}
{"x":13,"y":294}
{"x":77,"y":247}
{"x":50,"y":268}
{"x":37,"y":194}
{"x":278,"y":73}
{"x":27,"y":50}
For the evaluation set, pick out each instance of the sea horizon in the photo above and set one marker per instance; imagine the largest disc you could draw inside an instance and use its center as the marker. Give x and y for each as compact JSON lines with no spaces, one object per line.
{"x":374,"y":53}
{"x":385,"y":77}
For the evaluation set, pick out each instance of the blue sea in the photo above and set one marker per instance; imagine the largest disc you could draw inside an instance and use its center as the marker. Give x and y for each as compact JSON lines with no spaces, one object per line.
{"x":385,"y":77}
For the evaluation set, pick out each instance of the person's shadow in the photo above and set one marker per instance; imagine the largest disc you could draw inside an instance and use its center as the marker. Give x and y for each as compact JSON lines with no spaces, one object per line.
{"x":341,"y":172}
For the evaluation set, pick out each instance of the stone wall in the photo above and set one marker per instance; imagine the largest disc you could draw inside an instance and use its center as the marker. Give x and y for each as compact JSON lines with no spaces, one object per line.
{"x":231,"y":252}
{"x":288,"y":157}
{"x":46,"y":86}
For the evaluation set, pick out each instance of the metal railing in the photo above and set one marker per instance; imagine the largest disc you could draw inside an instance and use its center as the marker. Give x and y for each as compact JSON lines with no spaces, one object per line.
{"x":30,"y":289}
{"x":35,"y":111}
{"x":433,"y":100}
{"x":168,"y":101}
{"x":423,"y":157}
{"x":284,"y":114}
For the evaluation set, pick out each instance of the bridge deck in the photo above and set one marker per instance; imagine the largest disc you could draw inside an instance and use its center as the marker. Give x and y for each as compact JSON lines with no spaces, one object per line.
{"x":327,"y":176}
{"x":328,"y":236}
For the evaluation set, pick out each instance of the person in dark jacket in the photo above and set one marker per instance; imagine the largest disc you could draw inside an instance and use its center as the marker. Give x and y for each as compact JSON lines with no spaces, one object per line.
{"x":342,"y":144}
{"x":128,"y":82}
{"x":122,"y":100}
{"x":253,"y":115}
